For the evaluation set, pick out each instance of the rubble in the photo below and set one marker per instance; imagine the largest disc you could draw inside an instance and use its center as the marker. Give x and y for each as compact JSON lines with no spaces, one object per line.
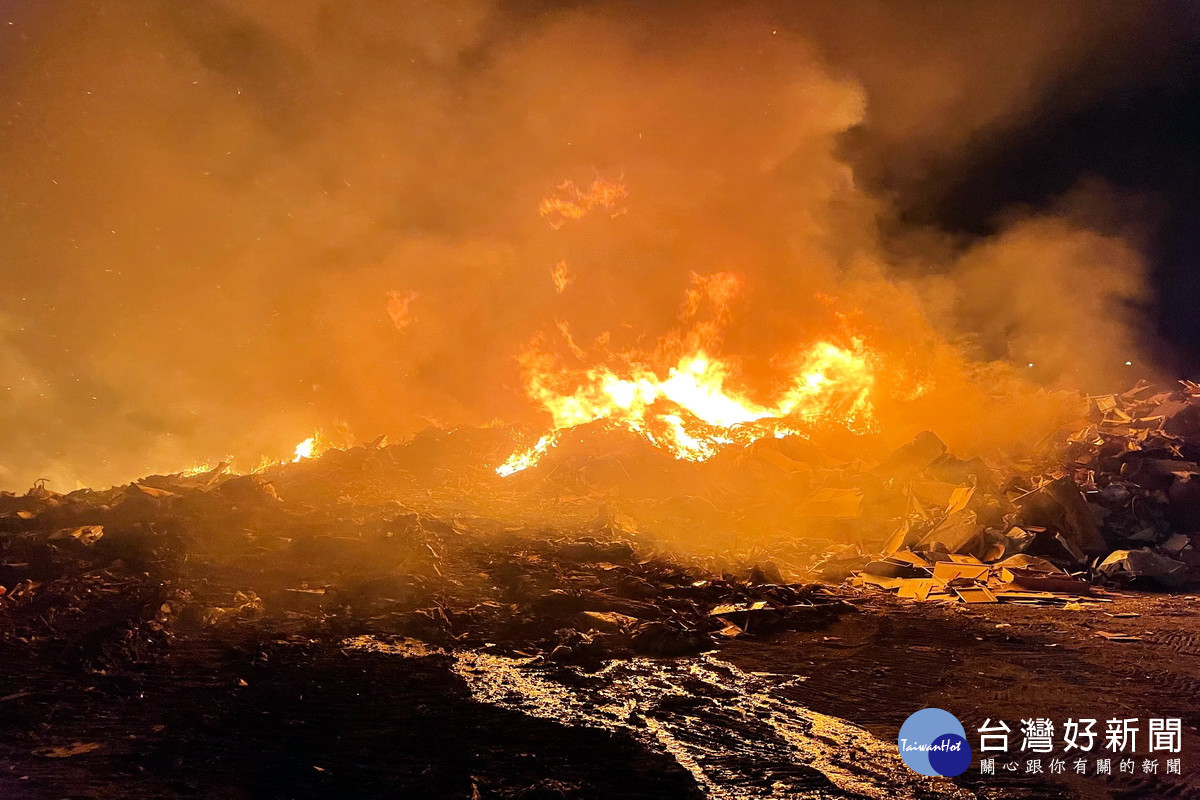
{"x":276,"y":548}
{"x":1132,"y":565}
{"x":962,"y":577}
{"x":1120,"y":506}
{"x":326,"y":542}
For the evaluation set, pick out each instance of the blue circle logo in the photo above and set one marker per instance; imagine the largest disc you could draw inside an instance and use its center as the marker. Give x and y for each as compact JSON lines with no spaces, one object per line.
{"x":933,"y":742}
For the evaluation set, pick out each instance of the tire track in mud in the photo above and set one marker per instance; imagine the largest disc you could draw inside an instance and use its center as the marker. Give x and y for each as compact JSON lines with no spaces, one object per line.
{"x":1186,"y":643}
{"x":735,"y":732}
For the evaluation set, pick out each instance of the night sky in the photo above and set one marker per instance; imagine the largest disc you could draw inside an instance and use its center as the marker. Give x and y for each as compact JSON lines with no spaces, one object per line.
{"x":1140,"y":135}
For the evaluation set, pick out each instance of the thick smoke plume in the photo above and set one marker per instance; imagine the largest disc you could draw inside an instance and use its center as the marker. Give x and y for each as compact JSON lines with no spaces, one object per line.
{"x":226,"y":224}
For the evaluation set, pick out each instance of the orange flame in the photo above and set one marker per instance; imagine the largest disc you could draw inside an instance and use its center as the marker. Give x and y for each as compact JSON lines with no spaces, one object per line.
{"x":561,"y":276}
{"x":692,"y":412}
{"x":196,"y":469}
{"x":572,"y":202}
{"x":305,"y":449}
{"x":311,"y":447}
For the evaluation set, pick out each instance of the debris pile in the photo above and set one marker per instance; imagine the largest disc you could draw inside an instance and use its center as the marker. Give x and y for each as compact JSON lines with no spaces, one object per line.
{"x":423,"y":539}
{"x":602,"y":598}
{"x":220,"y":552}
{"x":1122,"y":507}
{"x":964,"y":578}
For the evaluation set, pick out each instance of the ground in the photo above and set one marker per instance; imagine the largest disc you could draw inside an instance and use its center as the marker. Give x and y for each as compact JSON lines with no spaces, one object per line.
{"x":262,"y":650}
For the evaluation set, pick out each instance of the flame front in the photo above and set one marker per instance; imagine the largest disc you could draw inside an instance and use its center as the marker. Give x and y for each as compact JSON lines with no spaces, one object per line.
{"x":693,"y":411}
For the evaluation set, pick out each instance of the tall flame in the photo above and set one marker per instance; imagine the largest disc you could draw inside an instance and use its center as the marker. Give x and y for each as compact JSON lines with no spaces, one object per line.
{"x":692,"y":412}
{"x":687,"y":406}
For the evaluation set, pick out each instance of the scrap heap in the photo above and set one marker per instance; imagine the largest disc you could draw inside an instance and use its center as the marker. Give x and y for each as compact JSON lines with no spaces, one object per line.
{"x":424,"y":539}
{"x":1122,"y":507}
{"x":112,"y":576}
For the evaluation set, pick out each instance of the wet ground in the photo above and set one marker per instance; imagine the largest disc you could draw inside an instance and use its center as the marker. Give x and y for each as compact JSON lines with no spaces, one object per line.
{"x":232,"y":644}
{"x":296,"y":705}
{"x":1008,"y":662}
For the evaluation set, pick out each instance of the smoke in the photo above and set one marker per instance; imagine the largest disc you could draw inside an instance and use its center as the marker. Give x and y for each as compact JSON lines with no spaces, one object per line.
{"x":228,"y":224}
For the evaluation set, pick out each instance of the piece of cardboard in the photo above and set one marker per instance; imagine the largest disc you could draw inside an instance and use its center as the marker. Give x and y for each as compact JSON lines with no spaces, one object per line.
{"x":950,"y":570}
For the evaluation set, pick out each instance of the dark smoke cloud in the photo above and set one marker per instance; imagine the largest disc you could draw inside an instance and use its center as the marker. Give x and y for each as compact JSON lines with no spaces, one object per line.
{"x":213,"y":215}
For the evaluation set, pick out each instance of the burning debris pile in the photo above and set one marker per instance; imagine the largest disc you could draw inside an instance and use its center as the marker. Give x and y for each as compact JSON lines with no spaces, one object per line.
{"x":392,"y":539}
{"x":692,"y":413}
{"x":1114,"y":502}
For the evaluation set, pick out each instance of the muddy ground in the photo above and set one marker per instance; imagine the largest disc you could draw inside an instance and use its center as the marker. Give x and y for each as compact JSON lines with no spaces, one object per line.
{"x":1005,"y":661}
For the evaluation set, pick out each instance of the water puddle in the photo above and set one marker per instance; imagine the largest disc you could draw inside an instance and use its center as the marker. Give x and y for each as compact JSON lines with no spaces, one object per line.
{"x":738,"y":735}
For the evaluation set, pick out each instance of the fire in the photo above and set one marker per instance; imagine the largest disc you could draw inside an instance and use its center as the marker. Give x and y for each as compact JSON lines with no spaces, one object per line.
{"x":561,"y":276}
{"x":196,"y":469}
{"x":573,"y":202}
{"x":687,"y":405}
{"x":311,"y":447}
{"x":693,"y":411}
{"x":306,"y":449}
{"x":527,"y":458}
